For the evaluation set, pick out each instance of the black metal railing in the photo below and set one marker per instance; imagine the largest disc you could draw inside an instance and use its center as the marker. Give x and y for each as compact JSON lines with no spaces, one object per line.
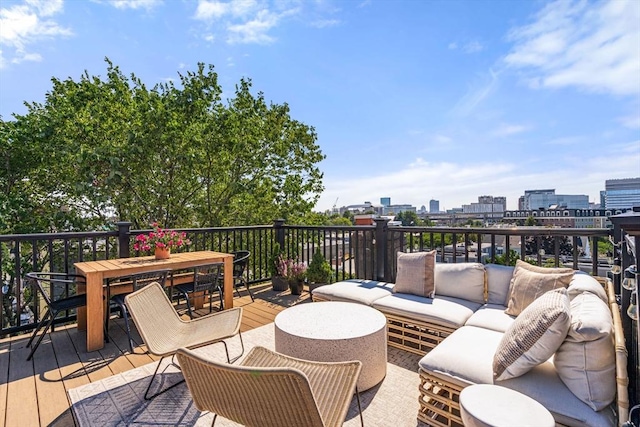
{"x":367,"y":252}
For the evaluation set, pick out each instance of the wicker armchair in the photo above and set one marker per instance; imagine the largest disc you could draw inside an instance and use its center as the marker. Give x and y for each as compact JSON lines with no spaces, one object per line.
{"x":164,"y":332}
{"x":269,"y":389}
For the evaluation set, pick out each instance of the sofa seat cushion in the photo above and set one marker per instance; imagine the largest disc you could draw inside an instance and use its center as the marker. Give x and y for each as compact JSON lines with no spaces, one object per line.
{"x":467,"y":356}
{"x":444,"y":311}
{"x":463,"y":280}
{"x":491,"y":316}
{"x":355,"y":290}
{"x":498,"y":283}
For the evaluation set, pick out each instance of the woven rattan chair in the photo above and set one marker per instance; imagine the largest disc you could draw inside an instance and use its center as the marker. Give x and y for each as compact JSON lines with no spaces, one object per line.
{"x":164,"y":332}
{"x":136,"y":281}
{"x":269,"y":389}
{"x":205,"y":279}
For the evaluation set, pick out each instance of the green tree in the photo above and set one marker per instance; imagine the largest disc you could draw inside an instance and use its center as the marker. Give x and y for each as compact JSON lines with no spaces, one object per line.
{"x":530,"y":221}
{"x":101,"y":149}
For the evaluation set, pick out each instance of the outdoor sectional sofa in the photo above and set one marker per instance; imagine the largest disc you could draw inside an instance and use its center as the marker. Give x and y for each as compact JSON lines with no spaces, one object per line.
{"x":460,"y":326}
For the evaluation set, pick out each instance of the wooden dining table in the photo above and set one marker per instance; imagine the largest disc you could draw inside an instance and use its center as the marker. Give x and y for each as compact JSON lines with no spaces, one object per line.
{"x":92,"y":317}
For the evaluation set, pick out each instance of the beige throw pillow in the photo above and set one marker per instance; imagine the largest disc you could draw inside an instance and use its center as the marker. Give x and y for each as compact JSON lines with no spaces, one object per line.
{"x":534,"y":336}
{"x":415,"y":273}
{"x":530,"y":281}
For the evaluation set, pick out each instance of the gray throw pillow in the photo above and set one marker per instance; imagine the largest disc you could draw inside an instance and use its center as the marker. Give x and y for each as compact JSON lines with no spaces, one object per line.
{"x":415,"y":273}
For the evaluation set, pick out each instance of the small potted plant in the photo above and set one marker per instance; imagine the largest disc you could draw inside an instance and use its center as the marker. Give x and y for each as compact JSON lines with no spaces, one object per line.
{"x":296,"y":273}
{"x":278,"y":279}
{"x":319,"y":271}
{"x":160,"y":241}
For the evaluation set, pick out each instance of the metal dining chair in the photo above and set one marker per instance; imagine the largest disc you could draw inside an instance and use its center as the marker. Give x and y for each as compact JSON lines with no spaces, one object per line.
{"x":53,"y":287}
{"x":205,"y":279}
{"x":240,"y":262}
{"x":136,"y":281}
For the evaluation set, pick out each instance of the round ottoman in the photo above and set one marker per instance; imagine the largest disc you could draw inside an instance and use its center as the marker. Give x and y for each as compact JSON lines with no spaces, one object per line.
{"x":488,"y":405}
{"x":335,"y":331}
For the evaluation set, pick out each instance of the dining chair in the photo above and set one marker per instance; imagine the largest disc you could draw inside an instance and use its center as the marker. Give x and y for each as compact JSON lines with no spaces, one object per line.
{"x":269,"y":389}
{"x":164,"y":332}
{"x":240,"y":262}
{"x":135,"y":281}
{"x":205,"y":279}
{"x":59,"y":292}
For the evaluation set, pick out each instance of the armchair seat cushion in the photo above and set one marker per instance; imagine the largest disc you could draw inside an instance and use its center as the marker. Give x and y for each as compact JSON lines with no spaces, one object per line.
{"x":444,"y":311}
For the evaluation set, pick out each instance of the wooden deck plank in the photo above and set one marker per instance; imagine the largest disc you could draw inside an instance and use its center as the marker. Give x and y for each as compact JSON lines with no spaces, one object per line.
{"x":22,"y":398}
{"x":49,"y":384}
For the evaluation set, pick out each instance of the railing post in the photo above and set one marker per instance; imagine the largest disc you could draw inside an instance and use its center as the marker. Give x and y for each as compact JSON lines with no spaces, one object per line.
{"x":382,"y":261}
{"x":123,"y":239}
{"x":278,"y":227}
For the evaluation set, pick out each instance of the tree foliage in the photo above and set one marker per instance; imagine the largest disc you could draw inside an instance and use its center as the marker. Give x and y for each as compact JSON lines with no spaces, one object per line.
{"x":102,"y":149}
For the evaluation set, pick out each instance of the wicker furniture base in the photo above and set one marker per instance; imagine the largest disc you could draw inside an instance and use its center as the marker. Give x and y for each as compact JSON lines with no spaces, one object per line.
{"x":413,"y":335}
{"x":439,"y":401}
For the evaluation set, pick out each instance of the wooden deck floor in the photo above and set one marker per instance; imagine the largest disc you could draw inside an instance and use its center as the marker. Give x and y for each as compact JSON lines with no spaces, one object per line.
{"x":34,"y":393}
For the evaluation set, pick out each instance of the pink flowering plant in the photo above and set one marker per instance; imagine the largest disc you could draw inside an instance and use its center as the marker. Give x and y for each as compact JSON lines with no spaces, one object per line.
{"x":160,"y":238}
{"x":292,"y":270}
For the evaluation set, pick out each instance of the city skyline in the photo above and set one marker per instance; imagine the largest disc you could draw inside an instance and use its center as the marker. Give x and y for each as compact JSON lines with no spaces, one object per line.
{"x":444,"y":100}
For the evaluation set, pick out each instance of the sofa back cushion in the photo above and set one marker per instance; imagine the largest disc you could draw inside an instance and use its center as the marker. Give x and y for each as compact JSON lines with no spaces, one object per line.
{"x":415,"y":273}
{"x":534,"y":336}
{"x":498,"y":283}
{"x":582,"y":282}
{"x":464,"y":280}
{"x":530,"y":281}
{"x":585,"y":362}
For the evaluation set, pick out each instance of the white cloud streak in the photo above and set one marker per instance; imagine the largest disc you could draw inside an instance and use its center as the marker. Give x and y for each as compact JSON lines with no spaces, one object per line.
{"x":22,"y":26}
{"x":591,"y":46}
{"x":136,"y":4}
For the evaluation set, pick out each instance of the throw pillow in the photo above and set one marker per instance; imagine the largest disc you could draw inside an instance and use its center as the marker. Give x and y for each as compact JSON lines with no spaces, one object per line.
{"x":586,"y":361}
{"x":534,"y":336}
{"x":415,"y":273}
{"x":530,"y":281}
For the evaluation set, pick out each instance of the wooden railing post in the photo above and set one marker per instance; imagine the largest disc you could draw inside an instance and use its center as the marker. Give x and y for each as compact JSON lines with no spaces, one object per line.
{"x":123,"y":239}
{"x":382,"y":261}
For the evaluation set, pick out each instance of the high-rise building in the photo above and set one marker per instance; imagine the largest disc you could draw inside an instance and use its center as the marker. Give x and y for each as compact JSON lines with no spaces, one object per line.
{"x":385,"y":201}
{"x":621,"y":193}
{"x":434,"y":206}
{"x":544,"y":199}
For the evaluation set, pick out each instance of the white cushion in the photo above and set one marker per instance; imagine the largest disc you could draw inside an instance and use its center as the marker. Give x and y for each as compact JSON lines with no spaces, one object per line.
{"x":491,"y":316}
{"x":581,"y":282}
{"x":534,"y":336}
{"x":463,"y":280}
{"x":415,"y":273}
{"x":445,"y":311}
{"x":498,"y":283}
{"x":586,"y":359}
{"x":354,"y":290}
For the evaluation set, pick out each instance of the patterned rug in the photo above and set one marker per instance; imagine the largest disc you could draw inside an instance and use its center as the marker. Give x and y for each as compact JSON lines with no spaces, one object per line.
{"x":119,"y":401}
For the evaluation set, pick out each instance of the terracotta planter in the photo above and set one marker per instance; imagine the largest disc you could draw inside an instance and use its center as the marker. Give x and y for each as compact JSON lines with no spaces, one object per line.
{"x":163,"y":253}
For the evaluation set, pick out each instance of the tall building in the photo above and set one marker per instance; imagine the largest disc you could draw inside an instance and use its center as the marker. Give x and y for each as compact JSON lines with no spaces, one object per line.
{"x":491,"y":207}
{"x":385,"y":201}
{"x":434,"y":206}
{"x":544,"y":199}
{"x":621,"y":193}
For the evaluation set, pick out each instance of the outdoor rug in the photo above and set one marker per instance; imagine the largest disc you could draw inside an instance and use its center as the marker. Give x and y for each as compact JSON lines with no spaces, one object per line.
{"x":119,"y":401}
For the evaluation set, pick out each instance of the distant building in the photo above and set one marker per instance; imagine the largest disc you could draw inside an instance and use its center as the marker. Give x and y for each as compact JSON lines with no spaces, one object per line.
{"x":621,"y":193}
{"x":423,"y":209}
{"x":385,"y":201}
{"x":567,"y":218}
{"x":434,"y":206}
{"x":366,"y":207}
{"x":396,"y":209}
{"x":543,"y":199}
{"x":491,"y":207}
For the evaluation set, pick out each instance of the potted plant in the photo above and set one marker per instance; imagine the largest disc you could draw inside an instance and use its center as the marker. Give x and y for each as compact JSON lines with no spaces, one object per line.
{"x":296,"y":273}
{"x":319,"y":271}
{"x":278,"y":281}
{"x":160,"y":241}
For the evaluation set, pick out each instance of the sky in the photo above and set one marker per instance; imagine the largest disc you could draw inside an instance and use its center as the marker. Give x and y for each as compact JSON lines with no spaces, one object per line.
{"x":412,"y":100}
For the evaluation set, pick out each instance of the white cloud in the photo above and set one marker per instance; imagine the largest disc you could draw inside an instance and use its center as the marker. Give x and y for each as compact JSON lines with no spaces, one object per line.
{"x":135,"y":4}
{"x":632,"y":121}
{"x":506,"y":129}
{"x":591,"y":46}
{"x":472,"y":47}
{"x":22,"y":26}
{"x":324,"y":23}
{"x":453,"y":45}
{"x":476,"y":94}
{"x":254,"y":31}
